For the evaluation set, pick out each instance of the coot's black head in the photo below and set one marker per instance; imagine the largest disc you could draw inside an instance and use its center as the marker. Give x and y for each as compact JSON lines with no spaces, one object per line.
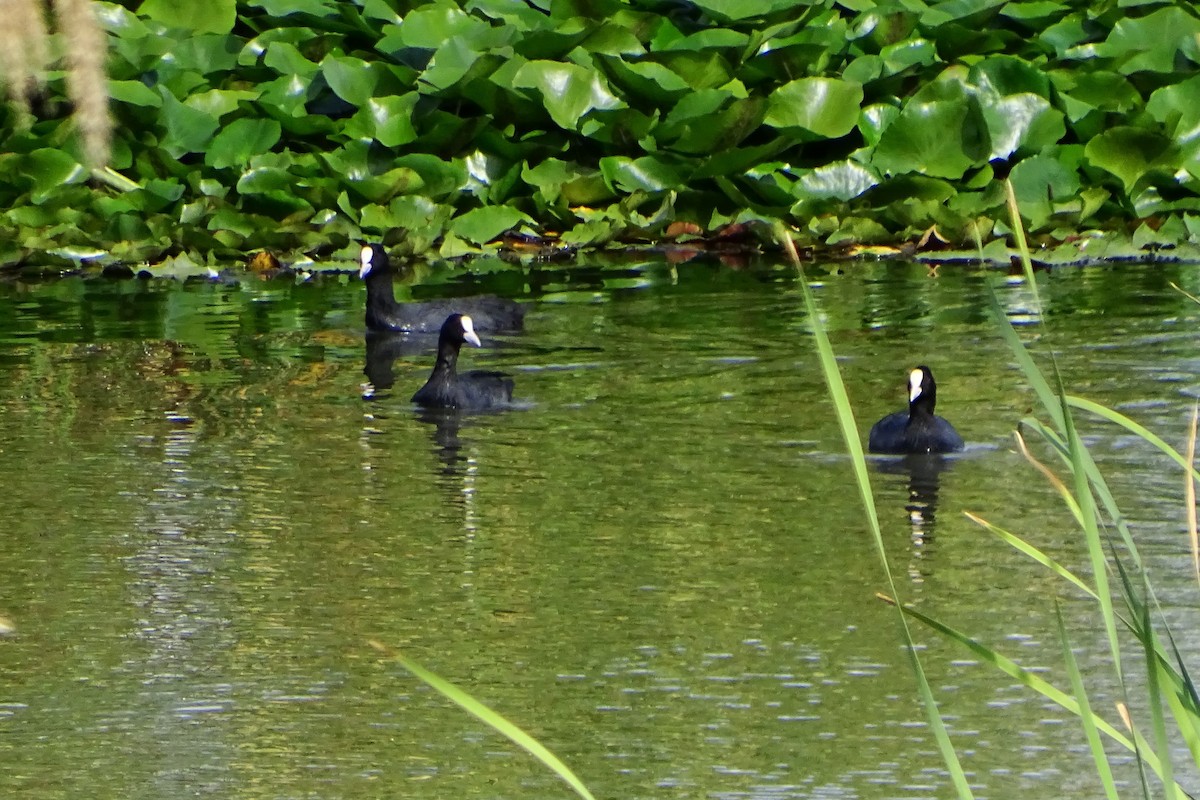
{"x":922,"y":391}
{"x":458,"y":328}
{"x":372,"y":258}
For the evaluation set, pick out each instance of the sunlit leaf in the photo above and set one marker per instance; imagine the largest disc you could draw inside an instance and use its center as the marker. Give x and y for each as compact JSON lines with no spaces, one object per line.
{"x":134,"y":92}
{"x":482,"y":225}
{"x":641,"y":174}
{"x":1153,"y":42}
{"x":1022,"y":121}
{"x":196,"y":16}
{"x":941,"y":138}
{"x":568,"y":91}
{"x":825,"y":106}
{"x":431,"y":25}
{"x":735,"y":10}
{"x":843,"y":180}
{"x":50,"y":169}
{"x":240,"y":140}
{"x":1129,"y":153}
{"x":187,"y":129}
{"x":352,"y":79}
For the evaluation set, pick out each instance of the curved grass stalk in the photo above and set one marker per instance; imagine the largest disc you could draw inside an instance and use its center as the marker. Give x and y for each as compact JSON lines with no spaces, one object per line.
{"x":1037,"y":555}
{"x":490,"y":718}
{"x":846,"y":421}
{"x":1136,"y":745}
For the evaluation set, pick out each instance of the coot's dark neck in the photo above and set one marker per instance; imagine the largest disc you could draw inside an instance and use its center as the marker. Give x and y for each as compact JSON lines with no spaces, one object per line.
{"x":380,"y":295}
{"x":447,"y":358}
{"x":923,"y":406}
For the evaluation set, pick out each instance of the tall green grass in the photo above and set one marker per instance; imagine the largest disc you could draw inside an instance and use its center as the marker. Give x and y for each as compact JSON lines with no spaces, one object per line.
{"x":1126,"y":607}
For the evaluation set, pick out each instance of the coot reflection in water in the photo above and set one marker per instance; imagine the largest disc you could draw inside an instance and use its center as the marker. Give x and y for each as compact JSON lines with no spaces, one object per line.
{"x":382,"y":350}
{"x":924,"y":475}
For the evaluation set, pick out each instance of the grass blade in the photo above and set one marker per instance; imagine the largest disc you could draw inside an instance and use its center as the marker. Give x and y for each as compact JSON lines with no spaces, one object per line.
{"x":1087,"y":719}
{"x":490,"y":718}
{"x":1037,"y":555}
{"x":845,"y":418}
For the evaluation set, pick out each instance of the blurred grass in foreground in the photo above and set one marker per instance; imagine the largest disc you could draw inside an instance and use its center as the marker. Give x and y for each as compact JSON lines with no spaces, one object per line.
{"x":1120,"y":587}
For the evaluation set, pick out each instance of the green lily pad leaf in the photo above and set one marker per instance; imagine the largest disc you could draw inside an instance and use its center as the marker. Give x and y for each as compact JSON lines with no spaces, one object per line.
{"x":858,"y":230}
{"x":287,"y":60}
{"x":718,"y":132}
{"x":1005,"y":75}
{"x":482,"y":225}
{"x":649,"y":80}
{"x":261,"y":180}
{"x":1151,"y":43}
{"x":440,"y":178}
{"x":908,"y":53}
{"x":882,"y":26}
{"x":40,"y":217}
{"x":1042,"y":179}
{"x":286,"y":97}
{"x":568,"y":91}
{"x":377,"y":218}
{"x":646,"y":174}
{"x":188,"y":130}
{"x":431,"y":25}
{"x":49,"y":170}
{"x":1129,"y":153}
{"x":207,"y":53}
{"x":593,"y":232}
{"x":240,"y":140}
{"x":841,"y":180}
{"x":452,"y":62}
{"x":120,"y":21}
{"x":1107,"y":91}
{"x":826,"y":106}
{"x":576,"y":185}
{"x":1022,"y":121}
{"x":864,"y":69}
{"x":1178,"y":109}
{"x":230,"y":219}
{"x":387,"y":120}
{"x":199,"y":16}
{"x":351,"y":79}
{"x":701,"y":69}
{"x":135,"y":93}
{"x":219,"y":102}
{"x":736,"y":10}
{"x":875,"y":119}
{"x":282,"y":8}
{"x":941,"y":138}
{"x":697,"y":105}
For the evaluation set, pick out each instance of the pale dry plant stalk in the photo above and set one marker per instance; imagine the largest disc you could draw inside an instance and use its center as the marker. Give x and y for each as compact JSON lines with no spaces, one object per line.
{"x":24,"y":51}
{"x":87,"y":85}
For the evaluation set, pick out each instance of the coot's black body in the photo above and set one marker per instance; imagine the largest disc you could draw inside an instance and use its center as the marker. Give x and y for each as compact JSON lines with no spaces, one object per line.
{"x":488,"y":312}
{"x":474,"y":390}
{"x":917,"y":430}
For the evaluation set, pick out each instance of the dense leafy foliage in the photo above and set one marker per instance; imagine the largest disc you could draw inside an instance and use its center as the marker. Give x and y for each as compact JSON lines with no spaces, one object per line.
{"x":303,"y":125}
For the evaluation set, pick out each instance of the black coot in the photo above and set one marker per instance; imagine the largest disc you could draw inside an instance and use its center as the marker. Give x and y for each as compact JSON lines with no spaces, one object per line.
{"x":917,"y":430}
{"x":471,"y":390}
{"x":490,"y":313}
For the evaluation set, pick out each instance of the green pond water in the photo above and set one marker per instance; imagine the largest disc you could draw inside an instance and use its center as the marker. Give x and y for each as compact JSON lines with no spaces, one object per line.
{"x":658,"y":565}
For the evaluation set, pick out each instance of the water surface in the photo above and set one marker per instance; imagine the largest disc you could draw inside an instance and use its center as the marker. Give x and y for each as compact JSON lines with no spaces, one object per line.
{"x":658,"y":565}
